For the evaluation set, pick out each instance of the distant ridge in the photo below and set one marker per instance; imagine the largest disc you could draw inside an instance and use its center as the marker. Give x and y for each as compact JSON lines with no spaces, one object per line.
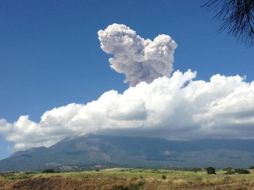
{"x":92,"y":151}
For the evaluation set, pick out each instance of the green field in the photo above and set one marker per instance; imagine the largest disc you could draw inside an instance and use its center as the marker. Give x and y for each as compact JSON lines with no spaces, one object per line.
{"x":126,"y":179}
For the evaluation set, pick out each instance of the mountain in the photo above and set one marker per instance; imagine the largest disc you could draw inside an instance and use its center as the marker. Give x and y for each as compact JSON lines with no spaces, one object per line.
{"x":93,"y":151}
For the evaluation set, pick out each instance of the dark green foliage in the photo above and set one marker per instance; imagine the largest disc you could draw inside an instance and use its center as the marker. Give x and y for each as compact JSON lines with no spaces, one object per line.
{"x":252,"y":168}
{"x":210,"y":170}
{"x":120,"y":187}
{"x":49,"y":171}
{"x":164,"y":177}
{"x":242,"y":171}
{"x":137,"y":186}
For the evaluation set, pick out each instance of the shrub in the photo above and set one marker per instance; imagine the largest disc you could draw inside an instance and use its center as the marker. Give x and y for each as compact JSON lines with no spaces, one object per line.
{"x":242,"y":171}
{"x":164,"y":177}
{"x":120,"y":187}
{"x":136,"y":186}
{"x":49,"y":171}
{"x":252,"y":168}
{"x":210,"y":170}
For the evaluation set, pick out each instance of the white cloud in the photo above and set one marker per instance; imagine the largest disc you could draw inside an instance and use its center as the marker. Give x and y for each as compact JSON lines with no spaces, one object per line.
{"x":176,"y":107}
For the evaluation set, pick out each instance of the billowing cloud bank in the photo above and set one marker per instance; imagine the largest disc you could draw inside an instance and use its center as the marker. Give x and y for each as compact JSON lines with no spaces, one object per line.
{"x":178,"y":107}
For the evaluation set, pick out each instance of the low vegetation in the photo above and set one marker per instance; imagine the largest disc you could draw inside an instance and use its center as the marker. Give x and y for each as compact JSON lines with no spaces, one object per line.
{"x":210,"y":170}
{"x":129,"y":179}
{"x":49,"y":171}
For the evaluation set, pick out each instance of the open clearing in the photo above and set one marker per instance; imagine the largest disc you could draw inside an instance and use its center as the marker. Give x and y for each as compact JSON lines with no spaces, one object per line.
{"x":126,"y":179}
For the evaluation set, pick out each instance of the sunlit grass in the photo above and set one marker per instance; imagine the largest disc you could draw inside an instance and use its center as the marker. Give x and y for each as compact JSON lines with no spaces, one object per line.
{"x":147,"y":179}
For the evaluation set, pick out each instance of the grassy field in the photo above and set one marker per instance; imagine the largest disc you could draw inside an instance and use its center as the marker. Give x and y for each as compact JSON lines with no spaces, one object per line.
{"x":127,"y":179}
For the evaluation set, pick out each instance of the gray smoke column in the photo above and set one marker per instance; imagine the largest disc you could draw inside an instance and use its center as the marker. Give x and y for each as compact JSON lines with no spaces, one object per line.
{"x":137,"y":58}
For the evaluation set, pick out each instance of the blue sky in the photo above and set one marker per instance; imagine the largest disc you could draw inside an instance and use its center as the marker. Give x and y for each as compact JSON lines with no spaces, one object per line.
{"x":50,"y":54}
